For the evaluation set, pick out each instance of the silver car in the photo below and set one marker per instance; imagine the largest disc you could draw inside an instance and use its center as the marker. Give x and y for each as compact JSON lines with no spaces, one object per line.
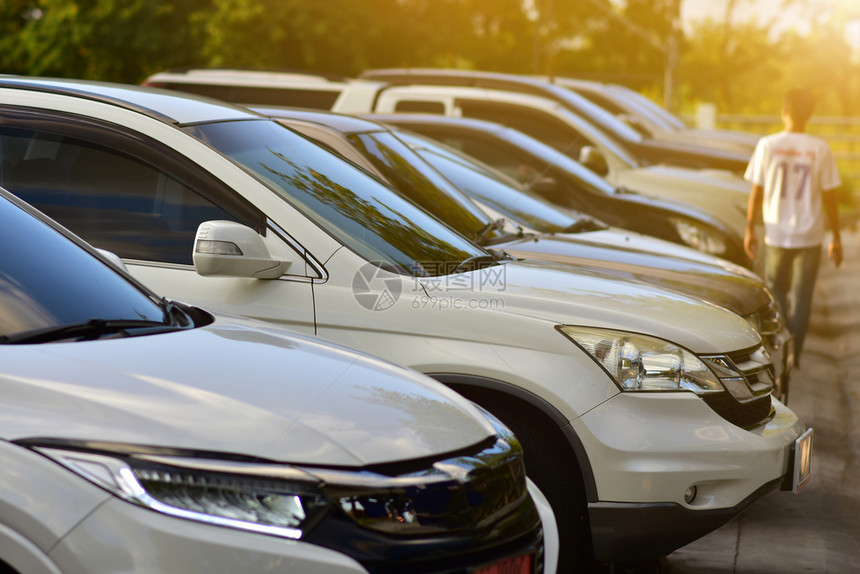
{"x":144,"y":435}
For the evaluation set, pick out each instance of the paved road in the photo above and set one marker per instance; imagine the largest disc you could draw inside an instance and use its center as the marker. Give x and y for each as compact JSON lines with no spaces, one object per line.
{"x":817,"y":530}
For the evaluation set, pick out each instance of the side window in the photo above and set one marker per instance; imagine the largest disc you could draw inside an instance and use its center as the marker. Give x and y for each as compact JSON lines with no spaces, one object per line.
{"x":302,"y":98}
{"x":540,"y":125}
{"x":420,"y":107}
{"x":210,"y":90}
{"x":507,"y":161}
{"x":112,"y":200}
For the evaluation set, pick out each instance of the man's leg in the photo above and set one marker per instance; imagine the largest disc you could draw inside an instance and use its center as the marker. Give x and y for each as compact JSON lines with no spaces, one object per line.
{"x":777,"y":275}
{"x":804,"y":273}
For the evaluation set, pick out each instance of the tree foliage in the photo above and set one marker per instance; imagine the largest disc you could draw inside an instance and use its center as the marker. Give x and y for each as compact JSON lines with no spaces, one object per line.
{"x":742,"y":67}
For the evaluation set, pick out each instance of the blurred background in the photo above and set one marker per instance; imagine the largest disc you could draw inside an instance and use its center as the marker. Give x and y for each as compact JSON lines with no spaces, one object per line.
{"x":714,"y":63}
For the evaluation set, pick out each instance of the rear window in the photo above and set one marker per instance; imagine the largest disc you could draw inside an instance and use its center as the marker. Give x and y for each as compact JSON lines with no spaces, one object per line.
{"x":302,"y":98}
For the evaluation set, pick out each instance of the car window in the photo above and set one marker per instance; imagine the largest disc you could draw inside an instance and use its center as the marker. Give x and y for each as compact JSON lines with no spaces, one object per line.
{"x":507,"y":160}
{"x":113,"y":200}
{"x":411,"y":176}
{"x":539,"y":125}
{"x":526,"y":161}
{"x":547,"y":128}
{"x":513,"y":203}
{"x":48,"y":281}
{"x":259,"y":95}
{"x":357,"y":209}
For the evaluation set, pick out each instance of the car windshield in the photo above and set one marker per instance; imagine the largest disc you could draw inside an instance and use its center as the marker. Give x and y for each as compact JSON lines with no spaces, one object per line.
{"x":415,"y":179}
{"x":487,"y":186}
{"x":49,"y":282}
{"x":356,"y":208}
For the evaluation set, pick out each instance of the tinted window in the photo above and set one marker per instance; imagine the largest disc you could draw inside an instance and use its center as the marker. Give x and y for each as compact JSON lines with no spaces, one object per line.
{"x":420,"y":107}
{"x":304,"y":98}
{"x":47,"y":280}
{"x":113,"y":200}
{"x":346,"y":201}
{"x":506,"y":159}
{"x":541,"y":126}
{"x":412,"y":177}
{"x":556,"y":130}
{"x":514,"y":204}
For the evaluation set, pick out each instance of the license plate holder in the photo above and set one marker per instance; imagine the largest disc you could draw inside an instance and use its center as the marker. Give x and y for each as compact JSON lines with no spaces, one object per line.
{"x":802,"y":471}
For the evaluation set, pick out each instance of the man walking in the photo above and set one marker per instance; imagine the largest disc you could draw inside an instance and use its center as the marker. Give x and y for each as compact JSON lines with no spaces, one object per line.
{"x":794,"y":182}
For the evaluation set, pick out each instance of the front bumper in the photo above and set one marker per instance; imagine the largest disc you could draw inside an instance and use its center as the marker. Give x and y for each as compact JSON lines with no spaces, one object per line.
{"x":630,"y":532}
{"x":647,"y":450}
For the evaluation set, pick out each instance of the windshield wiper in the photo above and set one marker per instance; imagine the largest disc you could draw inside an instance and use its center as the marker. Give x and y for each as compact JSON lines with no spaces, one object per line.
{"x":88,"y":331}
{"x":481,"y":237}
{"x":492,"y":256}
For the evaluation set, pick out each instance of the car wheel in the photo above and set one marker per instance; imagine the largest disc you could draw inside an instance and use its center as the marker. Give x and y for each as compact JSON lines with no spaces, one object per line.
{"x":552,"y":467}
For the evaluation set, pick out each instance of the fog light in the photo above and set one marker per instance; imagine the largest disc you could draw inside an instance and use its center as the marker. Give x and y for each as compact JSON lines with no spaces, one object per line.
{"x":690,"y":495}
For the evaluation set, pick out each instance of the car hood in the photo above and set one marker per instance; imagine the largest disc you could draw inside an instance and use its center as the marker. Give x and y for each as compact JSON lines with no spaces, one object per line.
{"x":568,"y":295}
{"x":229,"y":388}
{"x":726,"y":285}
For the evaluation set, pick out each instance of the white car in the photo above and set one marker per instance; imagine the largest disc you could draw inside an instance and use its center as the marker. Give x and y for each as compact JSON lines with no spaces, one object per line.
{"x":445,"y":182}
{"x":635,"y":405}
{"x":144,"y":435}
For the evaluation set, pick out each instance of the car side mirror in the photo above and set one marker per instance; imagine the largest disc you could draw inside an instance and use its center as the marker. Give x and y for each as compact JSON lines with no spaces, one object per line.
{"x":594,"y":160}
{"x":227,"y":248}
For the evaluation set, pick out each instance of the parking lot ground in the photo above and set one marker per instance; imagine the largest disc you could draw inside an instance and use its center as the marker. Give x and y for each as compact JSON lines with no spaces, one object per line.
{"x":817,"y":530}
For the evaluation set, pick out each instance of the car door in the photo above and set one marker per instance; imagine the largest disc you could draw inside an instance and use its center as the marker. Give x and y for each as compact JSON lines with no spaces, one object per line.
{"x":132,"y":196}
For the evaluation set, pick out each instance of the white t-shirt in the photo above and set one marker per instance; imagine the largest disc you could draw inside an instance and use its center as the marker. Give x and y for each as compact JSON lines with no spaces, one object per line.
{"x":793,"y":168}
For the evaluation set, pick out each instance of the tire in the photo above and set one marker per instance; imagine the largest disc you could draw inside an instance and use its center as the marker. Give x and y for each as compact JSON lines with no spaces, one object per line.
{"x":551,"y":465}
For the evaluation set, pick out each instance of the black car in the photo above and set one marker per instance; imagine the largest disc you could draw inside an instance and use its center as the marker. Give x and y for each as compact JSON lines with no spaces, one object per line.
{"x":566,"y":183}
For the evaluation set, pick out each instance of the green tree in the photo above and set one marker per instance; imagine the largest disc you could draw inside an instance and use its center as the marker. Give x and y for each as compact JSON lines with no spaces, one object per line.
{"x":121,"y":40}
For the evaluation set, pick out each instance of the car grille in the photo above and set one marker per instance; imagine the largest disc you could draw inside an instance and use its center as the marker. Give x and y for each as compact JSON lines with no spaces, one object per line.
{"x":747,"y":400}
{"x":438,"y":517}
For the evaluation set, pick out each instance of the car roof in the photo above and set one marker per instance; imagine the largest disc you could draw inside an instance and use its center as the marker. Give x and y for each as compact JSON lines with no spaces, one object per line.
{"x":234,"y":73}
{"x":165,"y":105}
{"x":340,"y":122}
{"x":474,"y":78}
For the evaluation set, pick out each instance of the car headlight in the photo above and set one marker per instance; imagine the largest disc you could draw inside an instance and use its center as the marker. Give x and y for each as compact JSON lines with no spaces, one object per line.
{"x":699,"y":237}
{"x":641,"y":363}
{"x":214,"y":492}
{"x":283,"y":500}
